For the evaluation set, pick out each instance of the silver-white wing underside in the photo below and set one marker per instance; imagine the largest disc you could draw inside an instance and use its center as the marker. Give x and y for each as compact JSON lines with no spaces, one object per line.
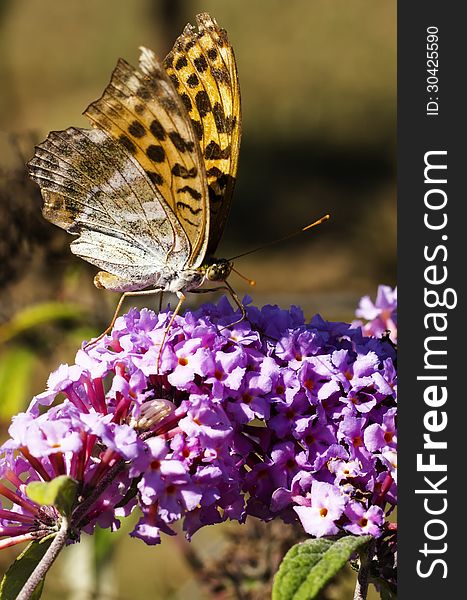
{"x":95,"y":189}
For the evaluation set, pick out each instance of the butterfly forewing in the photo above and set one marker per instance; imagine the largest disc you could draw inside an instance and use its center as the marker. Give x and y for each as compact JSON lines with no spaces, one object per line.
{"x":148,"y":190}
{"x":93,"y":188}
{"x":143,"y":112}
{"x":203,"y":69}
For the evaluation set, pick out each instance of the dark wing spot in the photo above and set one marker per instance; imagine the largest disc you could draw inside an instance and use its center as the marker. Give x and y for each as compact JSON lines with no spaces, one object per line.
{"x":226,"y":152}
{"x":155,"y":177}
{"x":139,"y":109}
{"x":125,"y":141}
{"x":202,"y":103}
{"x":212,"y":53}
{"x":180,"y":171}
{"x":155,"y":153}
{"x":194,"y":211}
{"x":193,"y":193}
{"x":220,"y":75}
{"x":193,"y":80}
{"x":143,"y":93}
{"x":136,"y":129}
{"x":152,"y":83}
{"x":219,"y":117}
{"x":198,"y":128}
{"x":179,"y":142}
{"x":157,"y":130}
{"x":201,"y":64}
{"x":181,"y":62}
{"x":192,"y":223}
{"x":214,"y":172}
{"x":175,"y":80}
{"x":170,"y":104}
{"x":186,"y":101}
{"x":214,"y":152}
{"x":231,"y":122}
{"x":189,"y":45}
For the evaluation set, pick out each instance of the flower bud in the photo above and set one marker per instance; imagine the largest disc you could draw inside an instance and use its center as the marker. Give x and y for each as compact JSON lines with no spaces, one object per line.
{"x":153,"y":412}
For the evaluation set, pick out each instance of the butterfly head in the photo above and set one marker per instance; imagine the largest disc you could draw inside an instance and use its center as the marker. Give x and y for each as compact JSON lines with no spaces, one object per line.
{"x":218,"y":269}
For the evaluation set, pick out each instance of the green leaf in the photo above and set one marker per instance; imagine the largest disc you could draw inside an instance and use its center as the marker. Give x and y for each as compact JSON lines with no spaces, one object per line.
{"x":19,"y":572}
{"x":308,"y":567}
{"x":37,"y":315}
{"x":60,"y":492}
{"x":385,"y":591}
{"x":16,"y":368}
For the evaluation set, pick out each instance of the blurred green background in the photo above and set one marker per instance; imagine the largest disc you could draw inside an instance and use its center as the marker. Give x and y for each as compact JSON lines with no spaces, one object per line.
{"x":318,"y":81}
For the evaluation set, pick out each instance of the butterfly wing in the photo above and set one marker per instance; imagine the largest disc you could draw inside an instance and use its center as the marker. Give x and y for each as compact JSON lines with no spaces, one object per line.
{"x":202,"y":67}
{"x":94,"y":188}
{"x":141,"y":109}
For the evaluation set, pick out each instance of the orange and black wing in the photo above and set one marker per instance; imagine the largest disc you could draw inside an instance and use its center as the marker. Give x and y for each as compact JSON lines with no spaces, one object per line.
{"x":202,"y":68}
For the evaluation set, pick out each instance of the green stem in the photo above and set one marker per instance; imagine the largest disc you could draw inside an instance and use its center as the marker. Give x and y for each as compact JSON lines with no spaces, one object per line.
{"x":46,"y":562}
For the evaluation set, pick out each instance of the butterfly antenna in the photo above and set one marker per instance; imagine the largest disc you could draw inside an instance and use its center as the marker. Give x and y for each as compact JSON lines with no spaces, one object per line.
{"x":282,"y":239}
{"x":252,"y":282}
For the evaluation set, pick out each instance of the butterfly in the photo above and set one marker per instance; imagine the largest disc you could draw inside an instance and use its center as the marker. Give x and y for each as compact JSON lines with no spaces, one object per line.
{"x":148,"y":189}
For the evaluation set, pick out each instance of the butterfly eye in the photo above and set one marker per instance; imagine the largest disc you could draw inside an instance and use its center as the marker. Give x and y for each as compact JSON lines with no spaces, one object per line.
{"x":219,"y":271}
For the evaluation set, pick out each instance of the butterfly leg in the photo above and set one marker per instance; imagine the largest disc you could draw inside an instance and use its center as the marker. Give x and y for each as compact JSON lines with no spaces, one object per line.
{"x":234,"y":296}
{"x":181,"y":300}
{"x":117,"y":310}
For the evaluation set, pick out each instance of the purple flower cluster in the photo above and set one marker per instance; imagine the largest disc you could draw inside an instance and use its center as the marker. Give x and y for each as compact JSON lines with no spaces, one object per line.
{"x":270,"y":417}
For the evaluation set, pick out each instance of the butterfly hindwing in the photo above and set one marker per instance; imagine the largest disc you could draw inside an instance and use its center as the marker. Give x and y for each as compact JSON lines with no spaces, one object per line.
{"x":141,"y":109}
{"x":203,"y":69}
{"x":94,"y":189}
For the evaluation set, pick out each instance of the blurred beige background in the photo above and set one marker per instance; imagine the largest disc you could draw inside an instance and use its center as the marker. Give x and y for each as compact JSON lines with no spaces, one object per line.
{"x":318,"y":91}
{"x":318,"y":81}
